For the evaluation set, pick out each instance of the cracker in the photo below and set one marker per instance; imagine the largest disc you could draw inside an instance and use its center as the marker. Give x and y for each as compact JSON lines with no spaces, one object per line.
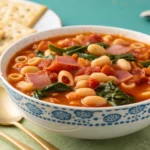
{"x":11,"y":31}
{"x":25,"y":13}
{"x":4,"y":5}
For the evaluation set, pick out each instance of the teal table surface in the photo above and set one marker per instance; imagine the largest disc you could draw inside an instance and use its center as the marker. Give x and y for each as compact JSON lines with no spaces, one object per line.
{"x":119,"y":13}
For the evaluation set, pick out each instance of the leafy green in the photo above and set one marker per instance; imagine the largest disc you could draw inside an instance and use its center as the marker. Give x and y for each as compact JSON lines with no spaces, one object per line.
{"x":83,"y":48}
{"x":38,"y":94}
{"x":128,"y":57}
{"x":112,"y":93}
{"x":146,"y":63}
{"x":73,"y":49}
{"x":40,"y":54}
{"x":104,"y":45}
{"x":56,"y":87}
{"x":55,"y":49}
{"x":87,"y":56}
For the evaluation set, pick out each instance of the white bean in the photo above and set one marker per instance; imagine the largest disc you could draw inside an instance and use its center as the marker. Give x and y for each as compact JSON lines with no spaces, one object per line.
{"x":96,"y":50}
{"x":29,"y":69}
{"x":24,"y":86}
{"x":107,"y":38}
{"x":83,"y":92}
{"x":82,"y":84}
{"x":47,"y":52}
{"x":101,"y":61}
{"x":120,"y":42}
{"x":116,"y":80}
{"x":101,"y":77}
{"x":94,"y":101}
{"x":81,"y":77}
{"x":123,"y":64}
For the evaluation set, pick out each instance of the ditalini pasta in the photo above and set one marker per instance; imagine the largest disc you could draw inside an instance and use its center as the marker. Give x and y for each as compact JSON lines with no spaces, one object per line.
{"x":85,"y":70}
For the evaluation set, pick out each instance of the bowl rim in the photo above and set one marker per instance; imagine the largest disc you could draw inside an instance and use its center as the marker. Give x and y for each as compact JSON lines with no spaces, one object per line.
{"x":69,"y":106}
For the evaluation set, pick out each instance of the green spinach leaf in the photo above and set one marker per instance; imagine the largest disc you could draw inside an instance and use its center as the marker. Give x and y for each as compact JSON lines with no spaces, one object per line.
{"x":55,"y":49}
{"x":112,"y":93}
{"x":73,"y":51}
{"x":146,"y":63}
{"x":56,"y":87}
{"x":83,"y":48}
{"x":87,"y":56}
{"x":104,"y":45}
{"x":128,"y":57}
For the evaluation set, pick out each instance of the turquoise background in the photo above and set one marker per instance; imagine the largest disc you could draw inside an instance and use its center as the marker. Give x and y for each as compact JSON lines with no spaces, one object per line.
{"x":119,"y":13}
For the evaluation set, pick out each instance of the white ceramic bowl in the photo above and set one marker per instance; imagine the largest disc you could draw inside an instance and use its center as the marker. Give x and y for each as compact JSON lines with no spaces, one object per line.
{"x":79,"y":122}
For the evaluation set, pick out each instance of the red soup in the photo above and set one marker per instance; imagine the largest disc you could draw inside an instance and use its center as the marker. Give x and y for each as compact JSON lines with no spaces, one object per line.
{"x":87,"y":70}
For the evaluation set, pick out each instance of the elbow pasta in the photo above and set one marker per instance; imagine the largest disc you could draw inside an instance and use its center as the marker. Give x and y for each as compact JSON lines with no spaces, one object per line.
{"x":128,"y":86}
{"x":34,"y":61}
{"x":66,"y":74}
{"x":82,"y":69}
{"x":14,"y":77}
{"x":21,"y":59}
{"x":137,"y":45}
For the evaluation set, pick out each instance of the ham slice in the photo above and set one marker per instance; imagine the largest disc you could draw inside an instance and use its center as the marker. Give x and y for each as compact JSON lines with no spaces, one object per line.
{"x":94,"y":38}
{"x":39,"y":80}
{"x":63,"y":63}
{"x":123,"y":75}
{"x":118,"y":49}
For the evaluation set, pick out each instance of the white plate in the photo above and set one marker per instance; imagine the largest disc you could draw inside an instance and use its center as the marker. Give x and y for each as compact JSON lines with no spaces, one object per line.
{"x":49,"y":20}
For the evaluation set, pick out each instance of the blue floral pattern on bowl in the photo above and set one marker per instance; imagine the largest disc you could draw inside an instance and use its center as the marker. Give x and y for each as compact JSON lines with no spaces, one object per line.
{"x":62,"y":115}
{"x":112,"y":118}
{"x":137,"y":109}
{"x":34,"y":109}
{"x":80,"y":117}
{"x":83,"y":114}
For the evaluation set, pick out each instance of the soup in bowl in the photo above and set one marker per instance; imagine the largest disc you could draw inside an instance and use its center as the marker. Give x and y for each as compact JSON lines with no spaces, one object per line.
{"x":88,"y":82}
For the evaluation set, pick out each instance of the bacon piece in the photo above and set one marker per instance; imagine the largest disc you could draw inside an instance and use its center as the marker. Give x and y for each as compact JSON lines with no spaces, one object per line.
{"x":94,"y":38}
{"x":118,"y":49}
{"x":88,"y":70}
{"x":44,"y":63}
{"x":138,"y":76}
{"x":108,"y":70}
{"x":39,"y":80}
{"x":67,"y":43}
{"x":63,"y":63}
{"x":123,"y":75}
{"x":93,"y":83}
